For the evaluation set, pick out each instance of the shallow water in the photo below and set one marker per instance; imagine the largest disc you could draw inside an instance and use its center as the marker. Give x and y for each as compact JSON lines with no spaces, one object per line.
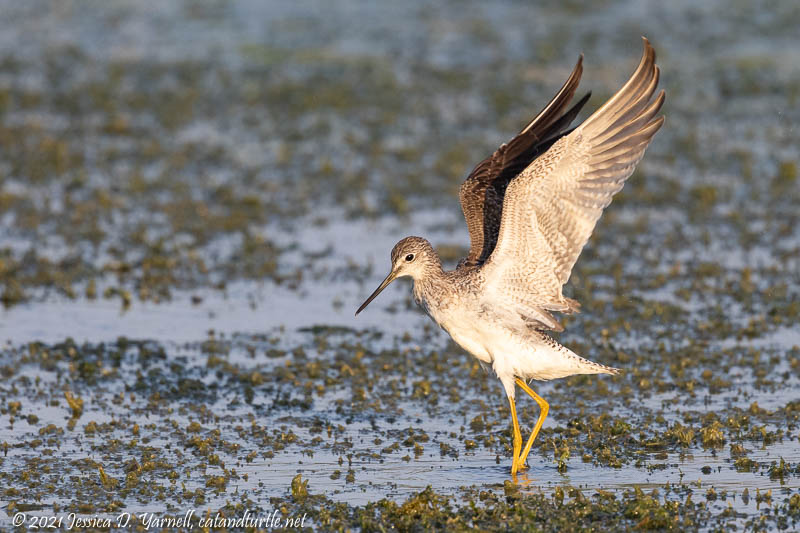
{"x":200,"y":195}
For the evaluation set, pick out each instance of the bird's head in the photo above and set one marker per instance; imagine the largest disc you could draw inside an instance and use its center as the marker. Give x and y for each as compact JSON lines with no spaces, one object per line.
{"x":412,"y":256}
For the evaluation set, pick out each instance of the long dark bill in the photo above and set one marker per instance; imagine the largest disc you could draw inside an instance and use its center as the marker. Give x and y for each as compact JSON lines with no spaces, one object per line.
{"x":387,"y":281}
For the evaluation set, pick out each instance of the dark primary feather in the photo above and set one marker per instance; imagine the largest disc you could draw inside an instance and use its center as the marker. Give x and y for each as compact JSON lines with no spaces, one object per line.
{"x":483,"y":191}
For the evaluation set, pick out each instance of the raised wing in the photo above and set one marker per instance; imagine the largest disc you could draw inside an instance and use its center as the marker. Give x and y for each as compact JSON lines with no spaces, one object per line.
{"x":482,"y":192}
{"x":551,"y":209}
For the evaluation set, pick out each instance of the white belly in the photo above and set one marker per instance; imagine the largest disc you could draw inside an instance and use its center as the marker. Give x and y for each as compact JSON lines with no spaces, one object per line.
{"x":509,"y":345}
{"x":464,"y":329}
{"x":528,"y":355}
{"x":472,"y":343}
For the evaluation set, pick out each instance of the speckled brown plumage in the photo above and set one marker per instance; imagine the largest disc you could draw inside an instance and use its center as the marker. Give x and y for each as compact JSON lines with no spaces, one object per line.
{"x":483,"y":191}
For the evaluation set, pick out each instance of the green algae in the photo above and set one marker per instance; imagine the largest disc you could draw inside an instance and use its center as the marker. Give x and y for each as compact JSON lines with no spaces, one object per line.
{"x":507,"y":508}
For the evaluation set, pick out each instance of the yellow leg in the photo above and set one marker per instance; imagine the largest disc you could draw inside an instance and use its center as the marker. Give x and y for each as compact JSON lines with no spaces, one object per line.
{"x":544,"y":407}
{"x":517,"y":438}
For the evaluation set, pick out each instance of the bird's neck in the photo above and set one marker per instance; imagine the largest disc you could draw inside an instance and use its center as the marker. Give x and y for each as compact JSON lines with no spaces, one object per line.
{"x":429,"y":284}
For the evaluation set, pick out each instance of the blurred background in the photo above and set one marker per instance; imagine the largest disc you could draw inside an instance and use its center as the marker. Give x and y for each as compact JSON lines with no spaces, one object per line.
{"x":154,"y":152}
{"x":213,"y":178}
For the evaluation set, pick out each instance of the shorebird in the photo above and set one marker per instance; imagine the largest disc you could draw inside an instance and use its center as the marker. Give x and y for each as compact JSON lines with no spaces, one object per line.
{"x":530,"y":208}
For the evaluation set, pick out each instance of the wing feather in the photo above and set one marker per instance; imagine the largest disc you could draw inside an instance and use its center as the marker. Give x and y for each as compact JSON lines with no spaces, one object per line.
{"x":552,"y":207}
{"x":482,"y":193}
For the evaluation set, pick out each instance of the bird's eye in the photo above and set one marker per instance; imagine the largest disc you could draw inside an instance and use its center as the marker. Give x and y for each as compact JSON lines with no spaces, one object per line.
{"x":410,"y":257}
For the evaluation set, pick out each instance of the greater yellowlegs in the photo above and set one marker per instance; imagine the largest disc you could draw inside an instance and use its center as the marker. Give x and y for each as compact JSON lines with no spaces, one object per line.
{"x":530,"y":208}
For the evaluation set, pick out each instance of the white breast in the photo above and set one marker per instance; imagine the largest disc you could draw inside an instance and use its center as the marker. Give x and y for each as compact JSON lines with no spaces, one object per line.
{"x":466,"y":330}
